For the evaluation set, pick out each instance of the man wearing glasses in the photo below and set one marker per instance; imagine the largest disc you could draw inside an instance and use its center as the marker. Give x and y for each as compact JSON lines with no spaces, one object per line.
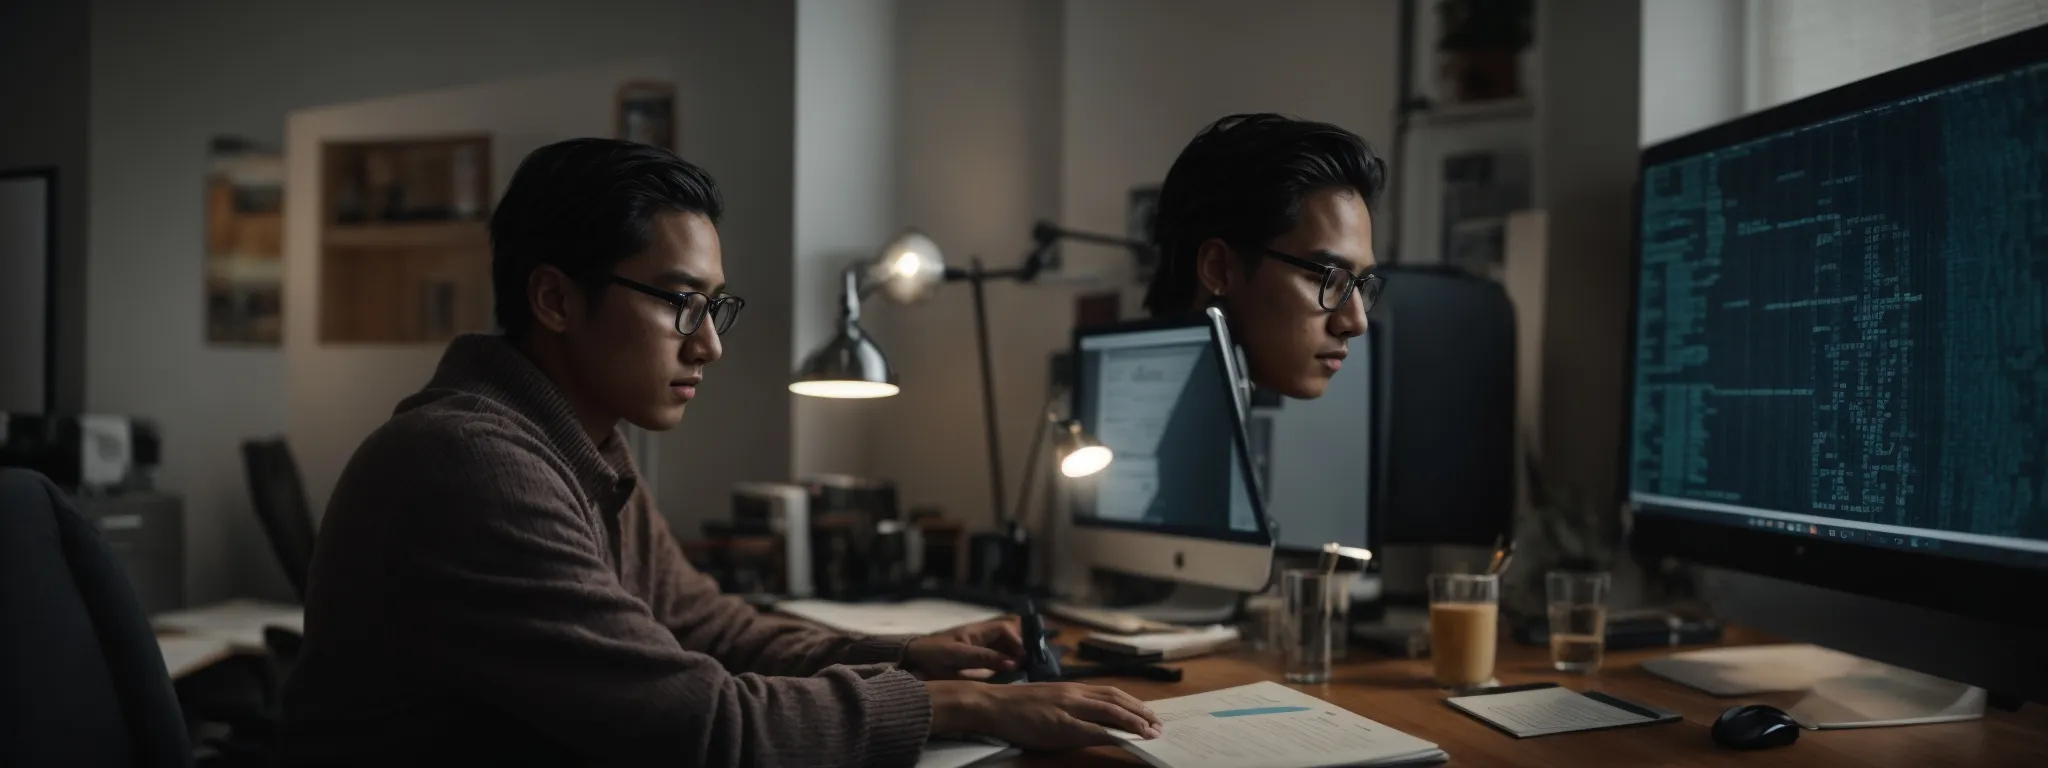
{"x":1271,"y":216}
{"x":492,"y":585}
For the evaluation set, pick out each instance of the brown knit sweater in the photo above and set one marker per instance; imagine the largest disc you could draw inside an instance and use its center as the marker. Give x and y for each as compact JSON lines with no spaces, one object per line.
{"x":490,"y":588}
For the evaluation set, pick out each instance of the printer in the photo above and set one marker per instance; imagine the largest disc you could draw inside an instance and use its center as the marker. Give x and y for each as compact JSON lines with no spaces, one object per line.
{"x":84,"y":453}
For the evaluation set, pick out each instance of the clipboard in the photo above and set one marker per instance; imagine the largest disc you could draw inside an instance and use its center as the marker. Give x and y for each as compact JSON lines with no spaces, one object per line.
{"x":1565,"y":711}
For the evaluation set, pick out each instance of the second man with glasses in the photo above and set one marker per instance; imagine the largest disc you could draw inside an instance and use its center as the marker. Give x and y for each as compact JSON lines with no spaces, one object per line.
{"x":1256,"y":192}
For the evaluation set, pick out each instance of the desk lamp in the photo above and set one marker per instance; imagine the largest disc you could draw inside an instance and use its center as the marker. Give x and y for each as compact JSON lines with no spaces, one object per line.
{"x":907,"y":270}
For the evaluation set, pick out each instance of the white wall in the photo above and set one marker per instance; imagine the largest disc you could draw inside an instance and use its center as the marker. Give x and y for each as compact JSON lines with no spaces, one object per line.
{"x":165,"y":77}
{"x":1805,"y":47}
{"x":978,"y":101}
{"x":1693,"y":65}
{"x":846,"y":164}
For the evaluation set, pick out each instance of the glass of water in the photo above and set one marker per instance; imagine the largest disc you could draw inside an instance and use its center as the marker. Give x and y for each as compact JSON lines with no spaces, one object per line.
{"x":1578,"y":619}
{"x":1311,"y":600}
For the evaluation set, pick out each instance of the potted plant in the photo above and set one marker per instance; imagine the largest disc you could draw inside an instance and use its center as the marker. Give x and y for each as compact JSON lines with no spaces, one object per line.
{"x":1481,"y":45}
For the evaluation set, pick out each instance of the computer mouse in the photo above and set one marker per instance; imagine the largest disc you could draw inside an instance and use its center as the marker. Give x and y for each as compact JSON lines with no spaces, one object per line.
{"x":1755,"y":726}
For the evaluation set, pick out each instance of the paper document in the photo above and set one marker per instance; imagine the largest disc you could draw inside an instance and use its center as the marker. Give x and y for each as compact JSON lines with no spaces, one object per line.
{"x":910,"y":617}
{"x":1268,"y":725}
{"x":1545,"y":711}
{"x":939,"y":753}
{"x":184,"y":655}
{"x":240,"y":622}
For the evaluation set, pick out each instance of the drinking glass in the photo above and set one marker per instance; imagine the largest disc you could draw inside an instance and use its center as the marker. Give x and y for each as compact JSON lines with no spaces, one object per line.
{"x":1310,"y":600}
{"x":1578,"y":619}
{"x":1464,"y":627}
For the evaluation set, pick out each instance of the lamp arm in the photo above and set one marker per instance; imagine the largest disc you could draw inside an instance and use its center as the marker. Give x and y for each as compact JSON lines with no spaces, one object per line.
{"x":1031,"y":459}
{"x":850,"y":293}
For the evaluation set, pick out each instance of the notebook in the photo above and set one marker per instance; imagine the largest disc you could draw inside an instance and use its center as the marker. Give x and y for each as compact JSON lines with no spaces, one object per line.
{"x":1168,"y":646}
{"x":1547,"y":710}
{"x":1268,"y":725}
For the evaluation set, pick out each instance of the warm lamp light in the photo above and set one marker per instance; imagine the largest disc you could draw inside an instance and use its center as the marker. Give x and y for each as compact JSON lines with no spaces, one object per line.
{"x":1081,"y":454}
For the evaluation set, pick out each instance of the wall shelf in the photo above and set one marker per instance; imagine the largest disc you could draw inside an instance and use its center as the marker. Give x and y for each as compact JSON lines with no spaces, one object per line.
{"x":405,"y":252}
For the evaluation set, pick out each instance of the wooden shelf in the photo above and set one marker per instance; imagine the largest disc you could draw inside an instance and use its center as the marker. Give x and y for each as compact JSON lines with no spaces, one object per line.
{"x":416,"y":234}
{"x":393,"y":267}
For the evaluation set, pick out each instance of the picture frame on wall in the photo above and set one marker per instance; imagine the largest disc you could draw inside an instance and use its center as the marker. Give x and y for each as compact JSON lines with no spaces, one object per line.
{"x":244,"y":243}
{"x":647,"y":113}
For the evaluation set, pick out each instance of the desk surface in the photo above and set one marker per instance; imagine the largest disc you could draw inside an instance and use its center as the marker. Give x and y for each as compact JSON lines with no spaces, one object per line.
{"x":1398,"y":693}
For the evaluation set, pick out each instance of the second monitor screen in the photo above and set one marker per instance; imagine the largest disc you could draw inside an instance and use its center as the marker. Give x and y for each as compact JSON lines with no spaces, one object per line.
{"x":1160,"y":400}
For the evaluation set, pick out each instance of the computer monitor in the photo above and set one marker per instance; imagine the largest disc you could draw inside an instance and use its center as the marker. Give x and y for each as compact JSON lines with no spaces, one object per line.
{"x":1315,"y":457}
{"x":1840,"y":364}
{"x":1180,"y":501}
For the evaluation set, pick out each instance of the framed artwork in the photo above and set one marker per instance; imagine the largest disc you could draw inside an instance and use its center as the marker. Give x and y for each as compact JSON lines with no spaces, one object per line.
{"x":647,"y":113}
{"x":244,"y":243}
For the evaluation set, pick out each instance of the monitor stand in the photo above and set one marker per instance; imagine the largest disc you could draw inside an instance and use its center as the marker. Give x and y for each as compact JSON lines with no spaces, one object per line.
{"x":1842,"y":691}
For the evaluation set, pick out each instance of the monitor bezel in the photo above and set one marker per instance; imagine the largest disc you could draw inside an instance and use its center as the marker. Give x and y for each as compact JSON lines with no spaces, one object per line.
{"x":1956,"y":585}
{"x":1219,"y":336}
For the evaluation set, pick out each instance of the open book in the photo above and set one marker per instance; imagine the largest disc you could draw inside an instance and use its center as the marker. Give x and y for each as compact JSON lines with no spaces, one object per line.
{"x":1268,"y":725}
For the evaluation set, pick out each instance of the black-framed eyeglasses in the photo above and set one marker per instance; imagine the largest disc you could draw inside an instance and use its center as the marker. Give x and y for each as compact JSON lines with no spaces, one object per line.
{"x":1338,"y":283}
{"x":692,"y":307}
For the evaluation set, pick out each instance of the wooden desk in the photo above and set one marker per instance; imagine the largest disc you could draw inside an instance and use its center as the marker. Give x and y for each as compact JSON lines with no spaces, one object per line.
{"x":1398,"y":693}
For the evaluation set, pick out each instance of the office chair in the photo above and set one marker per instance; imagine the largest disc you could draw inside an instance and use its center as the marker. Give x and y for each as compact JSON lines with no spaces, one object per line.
{"x":280,"y":500}
{"x":86,"y":684}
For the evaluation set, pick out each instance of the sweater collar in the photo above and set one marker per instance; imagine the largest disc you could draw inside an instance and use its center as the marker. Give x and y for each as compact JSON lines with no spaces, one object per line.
{"x":489,"y":366}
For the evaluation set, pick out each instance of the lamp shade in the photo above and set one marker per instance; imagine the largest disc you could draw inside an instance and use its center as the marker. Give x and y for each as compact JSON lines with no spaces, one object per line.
{"x":1080,"y":453}
{"x":908,"y":269}
{"x":849,"y":366}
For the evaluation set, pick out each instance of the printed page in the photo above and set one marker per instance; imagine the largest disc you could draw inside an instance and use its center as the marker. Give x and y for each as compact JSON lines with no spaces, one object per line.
{"x":1544,"y":711}
{"x":237,"y":621}
{"x":940,"y":753}
{"x":184,"y":655}
{"x":1268,"y":725}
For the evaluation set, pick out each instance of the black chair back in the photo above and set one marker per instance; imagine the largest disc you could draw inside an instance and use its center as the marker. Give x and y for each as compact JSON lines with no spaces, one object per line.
{"x":81,"y":679}
{"x":280,"y":500}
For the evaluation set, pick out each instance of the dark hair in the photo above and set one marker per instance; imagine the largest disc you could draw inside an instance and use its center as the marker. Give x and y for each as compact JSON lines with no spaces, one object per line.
{"x":1242,"y":180}
{"x":583,"y":206}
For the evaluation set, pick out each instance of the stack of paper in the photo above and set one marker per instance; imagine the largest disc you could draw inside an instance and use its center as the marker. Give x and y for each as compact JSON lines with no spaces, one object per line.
{"x":940,"y":753}
{"x":239,"y":622}
{"x":1268,"y":725}
{"x":910,"y":617}
{"x":185,"y":655}
{"x":1170,"y":646}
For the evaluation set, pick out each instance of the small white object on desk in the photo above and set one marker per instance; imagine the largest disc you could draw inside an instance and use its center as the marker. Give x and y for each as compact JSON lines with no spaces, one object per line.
{"x":184,"y":655}
{"x":1271,"y":726}
{"x":944,"y":753}
{"x":239,"y":622}
{"x":1170,"y":645}
{"x":910,"y":617}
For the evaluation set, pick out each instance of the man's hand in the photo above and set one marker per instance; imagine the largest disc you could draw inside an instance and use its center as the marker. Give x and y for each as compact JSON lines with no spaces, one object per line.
{"x":1040,"y":716}
{"x":992,"y":645}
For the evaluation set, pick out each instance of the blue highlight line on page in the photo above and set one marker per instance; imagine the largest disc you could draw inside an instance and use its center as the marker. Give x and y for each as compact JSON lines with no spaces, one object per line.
{"x":1257,"y":711}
